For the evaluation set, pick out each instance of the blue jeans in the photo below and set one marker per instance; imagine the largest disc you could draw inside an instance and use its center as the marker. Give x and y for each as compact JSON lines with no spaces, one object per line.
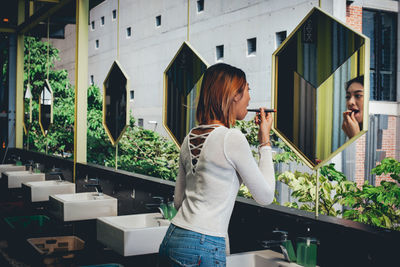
{"x":182,"y":247}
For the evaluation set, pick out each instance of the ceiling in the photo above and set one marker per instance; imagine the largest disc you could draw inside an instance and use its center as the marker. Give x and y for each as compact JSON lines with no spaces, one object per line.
{"x":58,"y":12}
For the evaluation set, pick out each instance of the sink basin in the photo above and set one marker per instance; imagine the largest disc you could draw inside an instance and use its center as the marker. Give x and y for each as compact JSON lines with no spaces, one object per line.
{"x":14,"y":179}
{"x":11,"y":167}
{"x":131,"y":235}
{"x":259,"y":258}
{"x":82,"y":206}
{"x":40,"y":191}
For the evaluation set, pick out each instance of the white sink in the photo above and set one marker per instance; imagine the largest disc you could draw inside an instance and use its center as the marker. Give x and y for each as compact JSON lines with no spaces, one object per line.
{"x":14,"y":179}
{"x":82,"y":206}
{"x":11,"y":167}
{"x":259,"y":258}
{"x":40,"y":191}
{"x":132,"y":234}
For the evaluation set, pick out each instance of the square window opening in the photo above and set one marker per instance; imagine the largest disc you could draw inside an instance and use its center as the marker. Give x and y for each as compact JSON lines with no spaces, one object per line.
{"x":114,"y":14}
{"x":140,"y":122}
{"x":102,"y":21}
{"x":279,"y":38}
{"x":132,"y":94}
{"x":219,"y":52}
{"x":200,"y":6}
{"x":92,"y":26}
{"x":251,"y":46}
{"x":128,"y":32}
{"x":158,"y":21}
{"x":91,"y":80}
{"x":97,"y":44}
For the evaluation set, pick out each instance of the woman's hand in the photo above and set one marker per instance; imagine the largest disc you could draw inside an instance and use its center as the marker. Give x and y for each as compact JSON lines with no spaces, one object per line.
{"x":350,"y":125}
{"x":265,"y":121}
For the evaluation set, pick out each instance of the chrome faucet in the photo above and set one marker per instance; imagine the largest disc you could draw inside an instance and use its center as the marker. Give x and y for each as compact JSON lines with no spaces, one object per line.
{"x":161,"y":206}
{"x":285,"y":245}
{"x":96,"y":185}
{"x":58,"y":172}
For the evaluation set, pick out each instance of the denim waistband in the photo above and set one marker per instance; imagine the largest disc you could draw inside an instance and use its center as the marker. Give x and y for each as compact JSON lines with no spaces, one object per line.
{"x":179,"y":231}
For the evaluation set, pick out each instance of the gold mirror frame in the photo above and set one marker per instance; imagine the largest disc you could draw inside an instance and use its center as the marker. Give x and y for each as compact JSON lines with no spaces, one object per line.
{"x":364,"y":56}
{"x":44,"y":131}
{"x":184,"y":122}
{"x":116,"y":64}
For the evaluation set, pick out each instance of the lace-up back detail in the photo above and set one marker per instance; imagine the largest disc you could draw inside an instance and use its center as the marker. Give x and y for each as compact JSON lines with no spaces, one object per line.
{"x":197,"y":137}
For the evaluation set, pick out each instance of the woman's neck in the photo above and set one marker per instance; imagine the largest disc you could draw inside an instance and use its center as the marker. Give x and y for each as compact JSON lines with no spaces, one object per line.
{"x":214,"y":122}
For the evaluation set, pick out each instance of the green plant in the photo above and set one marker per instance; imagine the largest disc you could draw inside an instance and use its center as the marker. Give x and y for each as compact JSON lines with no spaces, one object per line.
{"x":303,"y":186}
{"x":377,"y":205}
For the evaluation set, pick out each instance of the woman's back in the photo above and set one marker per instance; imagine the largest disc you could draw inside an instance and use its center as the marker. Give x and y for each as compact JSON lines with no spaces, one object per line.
{"x":209,"y":179}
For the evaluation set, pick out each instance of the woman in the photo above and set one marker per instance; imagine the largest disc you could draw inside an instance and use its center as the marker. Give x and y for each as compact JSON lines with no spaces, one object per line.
{"x":353,"y":116}
{"x":214,"y":161}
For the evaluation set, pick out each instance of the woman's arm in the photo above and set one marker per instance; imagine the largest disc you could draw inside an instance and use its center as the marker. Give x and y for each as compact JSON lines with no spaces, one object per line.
{"x":259,"y":179}
{"x":180,"y":185}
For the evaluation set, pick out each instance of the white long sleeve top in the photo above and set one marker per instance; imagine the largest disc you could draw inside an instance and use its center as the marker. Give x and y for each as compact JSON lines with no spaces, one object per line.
{"x":205,"y":193}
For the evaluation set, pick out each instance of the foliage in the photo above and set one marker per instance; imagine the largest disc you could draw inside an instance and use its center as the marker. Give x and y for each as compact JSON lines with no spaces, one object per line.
{"x":388,"y":165}
{"x":377,"y":205}
{"x":303,"y":187}
{"x":374,"y":205}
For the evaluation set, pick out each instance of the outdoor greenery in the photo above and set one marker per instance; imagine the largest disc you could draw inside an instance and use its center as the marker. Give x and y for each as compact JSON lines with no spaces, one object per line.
{"x":144,"y":151}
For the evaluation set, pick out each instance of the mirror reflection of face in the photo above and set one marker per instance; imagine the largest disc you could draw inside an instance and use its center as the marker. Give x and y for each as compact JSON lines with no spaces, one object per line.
{"x":355,"y":100}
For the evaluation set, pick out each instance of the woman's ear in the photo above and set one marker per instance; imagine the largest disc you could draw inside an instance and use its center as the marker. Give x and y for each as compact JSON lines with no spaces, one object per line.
{"x":237,"y":97}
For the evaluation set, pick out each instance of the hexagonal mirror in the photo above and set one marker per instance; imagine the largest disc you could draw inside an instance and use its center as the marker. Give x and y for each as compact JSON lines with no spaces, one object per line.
{"x":182,"y":81}
{"x":27,"y":122}
{"x":46,"y":108}
{"x":321,"y":87}
{"x":115,"y":102}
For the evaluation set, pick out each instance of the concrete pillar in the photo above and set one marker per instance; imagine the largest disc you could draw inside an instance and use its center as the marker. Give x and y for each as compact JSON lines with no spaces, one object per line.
{"x":81,"y":82}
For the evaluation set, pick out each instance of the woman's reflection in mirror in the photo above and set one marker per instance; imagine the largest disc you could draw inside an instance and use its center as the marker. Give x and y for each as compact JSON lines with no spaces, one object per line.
{"x":353,"y":116}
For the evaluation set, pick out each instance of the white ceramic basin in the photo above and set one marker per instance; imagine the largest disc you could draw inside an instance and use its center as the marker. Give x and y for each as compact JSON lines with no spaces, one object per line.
{"x":132,"y":234}
{"x":82,"y":206}
{"x":14,"y":179}
{"x":259,"y":258}
{"x":40,"y":191}
{"x":11,"y":167}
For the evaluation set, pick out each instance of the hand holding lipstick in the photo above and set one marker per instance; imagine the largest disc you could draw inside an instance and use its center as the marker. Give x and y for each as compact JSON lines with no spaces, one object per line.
{"x":350,"y":124}
{"x":264,"y":120}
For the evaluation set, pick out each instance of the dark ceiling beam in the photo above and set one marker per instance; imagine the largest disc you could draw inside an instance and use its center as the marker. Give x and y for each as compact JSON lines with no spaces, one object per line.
{"x":41,"y":15}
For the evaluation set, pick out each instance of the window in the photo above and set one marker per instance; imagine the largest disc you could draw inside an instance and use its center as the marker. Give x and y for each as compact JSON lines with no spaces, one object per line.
{"x":97,"y":44}
{"x":132,"y":94}
{"x":91,"y":80}
{"x":381,"y":28}
{"x":128,"y":32}
{"x":200,"y":6}
{"x":219,"y":52}
{"x":140,"y":122}
{"x":114,"y":14}
{"x":251,"y":46}
{"x":279,"y":38}
{"x":158,"y":21}
{"x":102,"y":21}
{"x":92,"y":25}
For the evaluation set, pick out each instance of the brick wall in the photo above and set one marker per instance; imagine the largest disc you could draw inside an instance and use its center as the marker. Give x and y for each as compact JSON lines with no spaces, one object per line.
{"x":360,"y":160}
{"x":354,"y":17}
{"x":354,"y":20}
{"x":388,"y":144}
